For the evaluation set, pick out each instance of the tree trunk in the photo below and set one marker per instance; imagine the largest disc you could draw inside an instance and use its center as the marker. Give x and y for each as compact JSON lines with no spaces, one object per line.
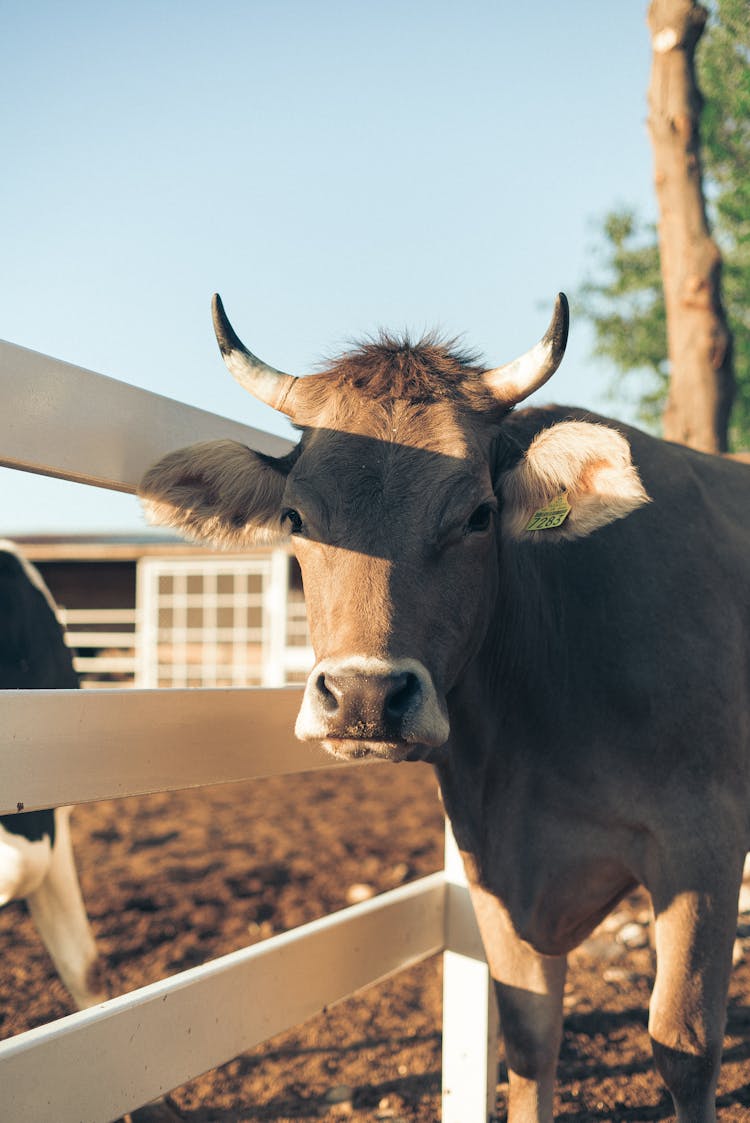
{"x":699,"y":340}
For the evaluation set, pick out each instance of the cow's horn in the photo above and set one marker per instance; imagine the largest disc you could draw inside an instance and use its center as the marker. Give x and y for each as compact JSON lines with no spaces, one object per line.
{"x":270,"y":385}
{"x":513,"y":382}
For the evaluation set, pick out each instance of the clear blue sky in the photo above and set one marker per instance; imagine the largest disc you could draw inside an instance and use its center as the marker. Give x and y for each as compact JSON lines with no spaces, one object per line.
{"x":329,"y":167}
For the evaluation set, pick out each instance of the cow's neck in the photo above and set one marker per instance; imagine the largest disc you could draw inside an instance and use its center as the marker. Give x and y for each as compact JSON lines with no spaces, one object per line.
{"x":506,"y":765}
{"x":506,"y":686}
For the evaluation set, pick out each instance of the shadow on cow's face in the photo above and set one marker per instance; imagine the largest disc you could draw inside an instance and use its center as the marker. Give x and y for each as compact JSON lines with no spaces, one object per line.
{"x":396,"y":543}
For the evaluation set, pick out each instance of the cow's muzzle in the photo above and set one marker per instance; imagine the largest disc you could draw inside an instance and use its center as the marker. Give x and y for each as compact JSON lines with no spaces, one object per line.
{"x":362,"y":706}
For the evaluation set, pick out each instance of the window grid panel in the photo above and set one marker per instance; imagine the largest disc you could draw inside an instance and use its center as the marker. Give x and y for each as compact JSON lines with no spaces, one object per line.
{"x":179,"y":668}
{"x":212,"y":622}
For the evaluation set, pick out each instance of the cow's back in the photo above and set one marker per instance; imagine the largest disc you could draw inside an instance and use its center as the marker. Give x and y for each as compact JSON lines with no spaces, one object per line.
{"x":33,"y":654}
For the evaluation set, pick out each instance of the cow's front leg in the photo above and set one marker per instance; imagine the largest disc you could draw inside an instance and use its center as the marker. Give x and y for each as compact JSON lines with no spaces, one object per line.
{"x":695,"y":932}
{"x":529,"y":989}
{"x":60,"y":915}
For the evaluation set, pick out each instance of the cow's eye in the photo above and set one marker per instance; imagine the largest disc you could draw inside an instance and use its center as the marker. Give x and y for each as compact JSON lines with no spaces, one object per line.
{"x":480,"y":520}
{"x":292,"y":520}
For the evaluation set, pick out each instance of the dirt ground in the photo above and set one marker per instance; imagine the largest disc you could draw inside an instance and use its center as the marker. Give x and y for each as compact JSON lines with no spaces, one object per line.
{"x":174,"y":880}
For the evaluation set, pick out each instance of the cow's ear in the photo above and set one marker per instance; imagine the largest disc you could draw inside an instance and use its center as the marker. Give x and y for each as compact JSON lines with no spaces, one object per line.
{"x":218,"y":491}
{"x":574,"y":478}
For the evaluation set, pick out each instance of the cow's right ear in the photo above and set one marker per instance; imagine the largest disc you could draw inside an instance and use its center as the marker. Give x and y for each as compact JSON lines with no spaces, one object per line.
{"x":219,"y":492}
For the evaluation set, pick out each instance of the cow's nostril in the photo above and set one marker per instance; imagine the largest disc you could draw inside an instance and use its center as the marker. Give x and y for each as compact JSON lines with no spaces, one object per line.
{"x":404,"y":689}
{"x":328,"y":697}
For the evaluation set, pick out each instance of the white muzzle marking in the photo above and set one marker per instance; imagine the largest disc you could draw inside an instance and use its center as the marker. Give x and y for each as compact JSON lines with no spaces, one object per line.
{"x":423,"y":719}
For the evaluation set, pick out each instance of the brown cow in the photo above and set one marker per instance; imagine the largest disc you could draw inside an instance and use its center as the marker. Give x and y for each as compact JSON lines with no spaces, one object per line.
{"x":579,"y":679}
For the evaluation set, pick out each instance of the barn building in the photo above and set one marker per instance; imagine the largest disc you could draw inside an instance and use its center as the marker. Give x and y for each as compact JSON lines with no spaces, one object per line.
{"x":149,"y":610}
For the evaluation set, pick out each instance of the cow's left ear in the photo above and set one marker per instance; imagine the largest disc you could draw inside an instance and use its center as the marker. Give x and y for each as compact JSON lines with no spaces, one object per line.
{"x":574,"y":478}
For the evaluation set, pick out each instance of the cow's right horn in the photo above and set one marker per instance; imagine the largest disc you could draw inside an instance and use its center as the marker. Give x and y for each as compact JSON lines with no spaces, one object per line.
{"x":266,"y":383}
{"x":515,"y":381}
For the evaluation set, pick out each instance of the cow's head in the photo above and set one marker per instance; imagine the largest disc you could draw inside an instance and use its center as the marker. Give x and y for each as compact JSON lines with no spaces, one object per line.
{"x":400,"y":497}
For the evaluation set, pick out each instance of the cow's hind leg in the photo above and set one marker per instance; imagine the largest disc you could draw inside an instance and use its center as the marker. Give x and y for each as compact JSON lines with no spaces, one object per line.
{"x":696,"y":922}
{"x":24,"y":861}
{"x":59,"y":913}
{"x":529,"y":989}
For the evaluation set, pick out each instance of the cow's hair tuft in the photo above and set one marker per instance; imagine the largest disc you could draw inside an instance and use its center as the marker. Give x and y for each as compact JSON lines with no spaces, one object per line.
{"x":393,"y":367}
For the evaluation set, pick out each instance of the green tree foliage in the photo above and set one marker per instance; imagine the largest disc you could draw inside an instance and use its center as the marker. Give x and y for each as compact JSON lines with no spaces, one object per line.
{"x":624,"y":300}
{"x":625,"y":305}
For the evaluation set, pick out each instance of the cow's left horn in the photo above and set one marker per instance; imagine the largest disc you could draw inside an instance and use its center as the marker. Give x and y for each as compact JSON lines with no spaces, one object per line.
{"x":513,"y":382}
{"x":270,"y":385}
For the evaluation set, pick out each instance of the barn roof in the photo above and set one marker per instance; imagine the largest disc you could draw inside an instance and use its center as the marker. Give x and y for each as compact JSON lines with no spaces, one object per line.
{"x":111,"y":547}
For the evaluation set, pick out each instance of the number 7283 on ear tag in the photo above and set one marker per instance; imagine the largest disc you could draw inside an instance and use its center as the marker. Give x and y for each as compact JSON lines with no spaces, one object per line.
{"x":553,"y":514}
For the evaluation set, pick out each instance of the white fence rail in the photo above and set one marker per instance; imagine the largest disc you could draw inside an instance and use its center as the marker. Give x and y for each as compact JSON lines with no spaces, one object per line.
{"x":60,"y":420}
{"x":110,"y":652}
{"x":104,"y":745}
{"x":106,"y":1061}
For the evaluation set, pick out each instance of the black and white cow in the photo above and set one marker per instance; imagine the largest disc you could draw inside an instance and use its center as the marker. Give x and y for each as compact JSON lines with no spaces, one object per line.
{"x":36,"y":855}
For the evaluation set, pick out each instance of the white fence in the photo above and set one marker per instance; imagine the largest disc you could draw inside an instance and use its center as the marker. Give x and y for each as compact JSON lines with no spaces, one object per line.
{"x":114,"y":650}
{"x":93,"y":1066}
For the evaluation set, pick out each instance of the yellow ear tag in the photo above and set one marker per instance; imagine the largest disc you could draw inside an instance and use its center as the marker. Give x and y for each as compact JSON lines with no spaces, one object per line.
{"x":554,"y":514}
